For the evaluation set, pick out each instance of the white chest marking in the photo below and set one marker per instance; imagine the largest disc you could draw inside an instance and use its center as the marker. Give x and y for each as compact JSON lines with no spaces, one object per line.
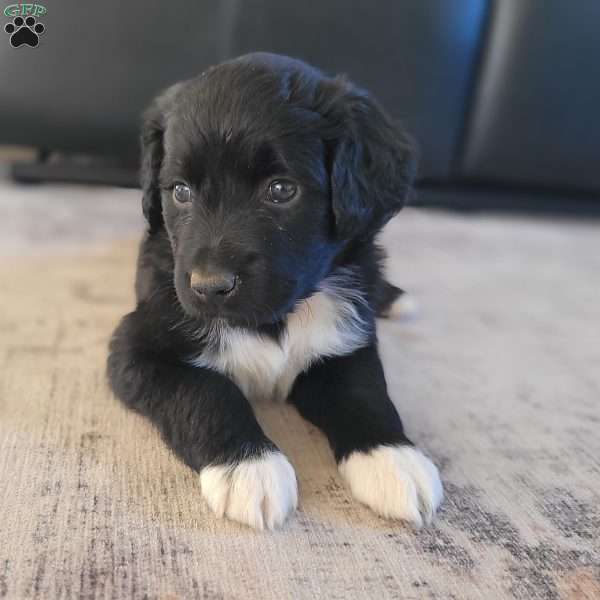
{"x":326,"y":324}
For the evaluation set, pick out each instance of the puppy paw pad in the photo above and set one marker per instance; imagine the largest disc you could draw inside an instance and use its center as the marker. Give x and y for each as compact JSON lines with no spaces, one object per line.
{"x":397,"y":482}
{"x":260,"y":492}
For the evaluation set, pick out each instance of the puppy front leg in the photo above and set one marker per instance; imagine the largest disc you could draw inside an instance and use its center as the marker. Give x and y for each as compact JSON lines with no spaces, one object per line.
{"x":210,"y":425}
{"x":346,"y":397}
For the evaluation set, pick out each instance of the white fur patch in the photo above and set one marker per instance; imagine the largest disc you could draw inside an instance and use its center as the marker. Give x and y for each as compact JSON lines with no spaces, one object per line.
{"x":259,"y":492}
{"x":397,"y":482}
{"x":405,"y":307}
{"x":325,"y":324}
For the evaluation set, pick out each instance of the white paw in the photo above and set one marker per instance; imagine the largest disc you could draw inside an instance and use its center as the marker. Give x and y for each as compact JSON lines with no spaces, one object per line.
{"x":259,"y":492}
{"x":397,"y":482}
{"x":405,"y":307}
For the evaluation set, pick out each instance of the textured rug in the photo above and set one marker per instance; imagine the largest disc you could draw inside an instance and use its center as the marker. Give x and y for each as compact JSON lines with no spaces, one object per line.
{"x":498,"y":379}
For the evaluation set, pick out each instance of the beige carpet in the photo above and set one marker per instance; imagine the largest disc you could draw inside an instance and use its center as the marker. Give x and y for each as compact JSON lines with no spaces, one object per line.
{"x":498,"y":379}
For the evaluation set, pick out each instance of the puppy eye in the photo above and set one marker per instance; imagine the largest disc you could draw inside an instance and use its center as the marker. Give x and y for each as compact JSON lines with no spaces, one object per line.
{"x":182,"y":194}
{"x":281,"y":191}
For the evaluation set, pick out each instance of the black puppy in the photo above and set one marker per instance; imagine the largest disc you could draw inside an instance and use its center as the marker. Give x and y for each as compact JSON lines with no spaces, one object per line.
{"x":264,"y":184}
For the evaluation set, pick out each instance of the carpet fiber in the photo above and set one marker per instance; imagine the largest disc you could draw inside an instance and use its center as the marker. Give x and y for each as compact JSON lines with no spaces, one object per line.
{"x":498,"y":379}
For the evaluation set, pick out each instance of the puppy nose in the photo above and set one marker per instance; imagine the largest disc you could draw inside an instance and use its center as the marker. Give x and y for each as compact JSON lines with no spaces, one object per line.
{"x":213,"y":285}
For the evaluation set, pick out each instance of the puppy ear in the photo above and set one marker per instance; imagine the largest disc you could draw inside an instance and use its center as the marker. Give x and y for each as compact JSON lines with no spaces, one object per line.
{"x":153,"y":128}
{"x":372,"y":164}
{"x":152,"y":157}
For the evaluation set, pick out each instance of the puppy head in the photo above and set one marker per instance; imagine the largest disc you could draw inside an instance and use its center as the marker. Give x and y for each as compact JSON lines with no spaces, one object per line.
{"x":262,"y":171}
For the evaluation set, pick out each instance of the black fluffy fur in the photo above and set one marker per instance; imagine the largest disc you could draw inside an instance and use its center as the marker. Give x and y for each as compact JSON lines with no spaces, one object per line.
{"x":226,"y":134}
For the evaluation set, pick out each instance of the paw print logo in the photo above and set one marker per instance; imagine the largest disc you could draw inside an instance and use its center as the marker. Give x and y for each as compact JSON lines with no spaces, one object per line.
{"x":24,"y":31}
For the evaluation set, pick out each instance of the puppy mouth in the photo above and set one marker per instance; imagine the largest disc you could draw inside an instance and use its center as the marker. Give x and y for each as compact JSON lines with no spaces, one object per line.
{"x":224,"y":305}
{"x":239,"y":314}
{"x":233,"y":319}
{"x":230,"y":297}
